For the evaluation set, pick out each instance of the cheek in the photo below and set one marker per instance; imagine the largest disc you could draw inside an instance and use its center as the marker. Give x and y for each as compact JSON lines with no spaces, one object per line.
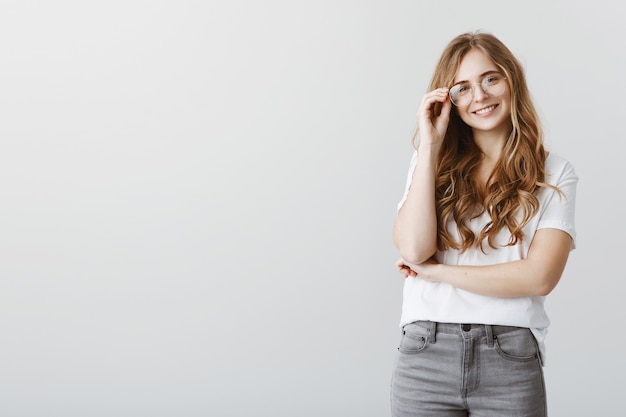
{"x":506,"y":99}
{"x":463,"y":115}
{"x":507,"y":106}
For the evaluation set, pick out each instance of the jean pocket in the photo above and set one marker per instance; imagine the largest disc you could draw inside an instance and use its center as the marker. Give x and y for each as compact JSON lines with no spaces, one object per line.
{"x":518,"y":345}
{"x":414,"y":338}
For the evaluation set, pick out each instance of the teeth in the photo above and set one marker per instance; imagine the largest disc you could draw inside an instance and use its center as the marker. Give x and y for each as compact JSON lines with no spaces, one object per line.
{"x":485,"y":110}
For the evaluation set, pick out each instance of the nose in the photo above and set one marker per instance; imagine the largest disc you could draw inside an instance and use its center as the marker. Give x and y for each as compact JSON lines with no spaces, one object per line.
{"x":479,"y":93}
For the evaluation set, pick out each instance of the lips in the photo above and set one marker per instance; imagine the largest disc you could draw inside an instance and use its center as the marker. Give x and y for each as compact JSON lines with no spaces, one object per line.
{"x":485,"y":110}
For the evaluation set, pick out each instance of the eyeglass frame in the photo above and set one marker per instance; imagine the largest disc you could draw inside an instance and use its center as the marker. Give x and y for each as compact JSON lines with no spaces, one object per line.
{"x":481,"y":86}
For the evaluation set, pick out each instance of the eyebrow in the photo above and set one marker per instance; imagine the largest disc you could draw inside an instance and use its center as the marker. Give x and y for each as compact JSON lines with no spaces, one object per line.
{"x":481,"y":76}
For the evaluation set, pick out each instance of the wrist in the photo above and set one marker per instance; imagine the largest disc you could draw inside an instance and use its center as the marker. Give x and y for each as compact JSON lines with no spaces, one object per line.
{"x":431,"y":148}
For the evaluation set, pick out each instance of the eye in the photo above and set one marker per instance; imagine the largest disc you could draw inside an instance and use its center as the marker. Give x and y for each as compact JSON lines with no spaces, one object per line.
{"x":461,"y":89}
{"x":491,"y":79}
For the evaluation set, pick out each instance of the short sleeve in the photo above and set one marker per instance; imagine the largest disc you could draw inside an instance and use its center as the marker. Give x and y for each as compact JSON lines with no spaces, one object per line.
{"x":559,"y":211}
{"x":409,"y":178}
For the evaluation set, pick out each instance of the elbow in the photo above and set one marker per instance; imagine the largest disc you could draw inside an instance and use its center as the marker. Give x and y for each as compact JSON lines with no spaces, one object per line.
{"x":546,"y":284}
{"x":414,"y":250}
{"x":416,"y":256}
{"x":543,"y":290}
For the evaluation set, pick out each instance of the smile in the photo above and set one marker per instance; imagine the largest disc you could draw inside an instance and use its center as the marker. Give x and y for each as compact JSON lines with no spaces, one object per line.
{"x":486,"y":109}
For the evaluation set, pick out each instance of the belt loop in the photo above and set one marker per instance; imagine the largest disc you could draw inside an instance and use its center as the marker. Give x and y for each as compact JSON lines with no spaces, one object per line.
{"x":432,"y":332}
{"x":490,"y":335}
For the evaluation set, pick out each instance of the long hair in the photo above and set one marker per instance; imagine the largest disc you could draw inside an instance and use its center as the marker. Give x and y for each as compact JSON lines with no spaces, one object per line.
{"x":510,"y":196}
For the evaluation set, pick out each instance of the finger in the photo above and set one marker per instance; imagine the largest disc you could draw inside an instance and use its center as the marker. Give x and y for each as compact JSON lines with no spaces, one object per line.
{"x":442,"y":121}
{"x":440,"y":94}
{"x":400,"y":263}
{"x":427,"y":115}
{"x":446,"y":107}
{"x":404,"y":270}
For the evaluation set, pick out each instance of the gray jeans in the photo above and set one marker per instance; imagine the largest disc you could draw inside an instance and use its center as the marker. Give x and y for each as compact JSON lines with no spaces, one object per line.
{"x":445,"y":369}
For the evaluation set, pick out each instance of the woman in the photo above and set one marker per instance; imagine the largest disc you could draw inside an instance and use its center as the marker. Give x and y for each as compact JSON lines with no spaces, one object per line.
{"x":484,"y":231}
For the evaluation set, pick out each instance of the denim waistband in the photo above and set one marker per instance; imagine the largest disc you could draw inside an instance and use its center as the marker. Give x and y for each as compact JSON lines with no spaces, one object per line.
{"x":465,"y":329}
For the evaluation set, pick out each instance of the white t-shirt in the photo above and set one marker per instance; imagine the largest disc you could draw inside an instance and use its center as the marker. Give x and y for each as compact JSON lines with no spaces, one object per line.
{"x":441,"y":302}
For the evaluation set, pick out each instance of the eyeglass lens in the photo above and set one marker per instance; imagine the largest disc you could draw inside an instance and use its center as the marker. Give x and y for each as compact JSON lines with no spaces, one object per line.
{"x":493,"y":85}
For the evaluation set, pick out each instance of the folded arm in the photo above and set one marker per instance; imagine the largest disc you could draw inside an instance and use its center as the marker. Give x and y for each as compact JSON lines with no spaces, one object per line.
{"x":538,"y":274}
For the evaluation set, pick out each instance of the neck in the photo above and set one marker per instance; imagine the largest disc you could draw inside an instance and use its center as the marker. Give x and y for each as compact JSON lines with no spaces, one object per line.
{"x":490,"y":143}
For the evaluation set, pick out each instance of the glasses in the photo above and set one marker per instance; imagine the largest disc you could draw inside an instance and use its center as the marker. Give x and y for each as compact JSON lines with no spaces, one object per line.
{"x":462,"y":94}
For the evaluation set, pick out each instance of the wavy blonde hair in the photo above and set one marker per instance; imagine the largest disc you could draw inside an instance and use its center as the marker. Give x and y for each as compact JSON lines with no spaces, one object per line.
{"x":515,"y":178}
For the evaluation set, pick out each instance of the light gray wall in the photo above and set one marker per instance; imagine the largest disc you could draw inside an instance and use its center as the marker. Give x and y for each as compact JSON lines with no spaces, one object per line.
{"x":196,"y":199}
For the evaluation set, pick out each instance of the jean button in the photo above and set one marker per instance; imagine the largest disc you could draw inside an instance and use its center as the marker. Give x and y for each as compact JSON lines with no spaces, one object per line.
{"x":466,"y":327}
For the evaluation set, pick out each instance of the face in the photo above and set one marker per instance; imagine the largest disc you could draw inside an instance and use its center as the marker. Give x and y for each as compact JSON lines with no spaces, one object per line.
{"x":485,"y":112}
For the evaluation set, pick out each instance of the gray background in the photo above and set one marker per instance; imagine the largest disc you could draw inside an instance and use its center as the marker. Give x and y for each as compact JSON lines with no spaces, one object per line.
{"x":197,"y":199}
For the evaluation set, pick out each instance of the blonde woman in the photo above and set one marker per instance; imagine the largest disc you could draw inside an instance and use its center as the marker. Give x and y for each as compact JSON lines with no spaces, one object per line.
{"x":484,"y":231}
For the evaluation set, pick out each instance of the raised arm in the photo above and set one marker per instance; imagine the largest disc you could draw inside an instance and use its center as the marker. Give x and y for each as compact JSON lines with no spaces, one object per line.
{"x":415,"y":229}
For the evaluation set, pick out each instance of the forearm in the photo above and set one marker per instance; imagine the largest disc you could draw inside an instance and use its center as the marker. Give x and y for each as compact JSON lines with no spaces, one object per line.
{"x":538,"y":274}
{"x":415,"y":229}
{"x":511,"y":279}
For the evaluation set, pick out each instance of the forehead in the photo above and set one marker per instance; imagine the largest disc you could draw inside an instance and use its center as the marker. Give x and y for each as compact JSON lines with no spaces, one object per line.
{"x":473,"y":64}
